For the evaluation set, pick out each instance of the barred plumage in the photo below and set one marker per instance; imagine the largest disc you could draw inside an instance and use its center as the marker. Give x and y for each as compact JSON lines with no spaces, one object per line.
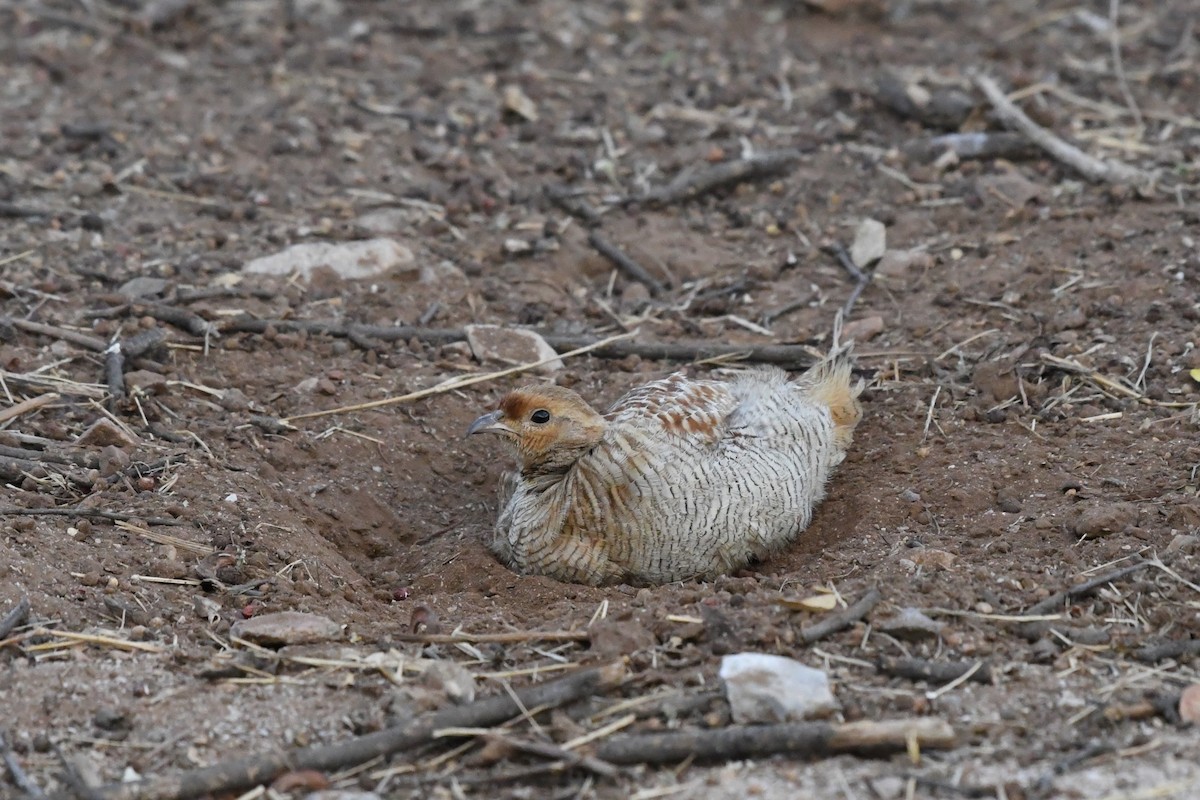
{"x":680,"y":478}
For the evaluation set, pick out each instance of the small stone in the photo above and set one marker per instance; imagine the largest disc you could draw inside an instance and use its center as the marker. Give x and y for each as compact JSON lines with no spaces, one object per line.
{"x":143,"y":286}
{"x":1103,"y":520}
{"x":984,"y":607}
{"x":103,"y":433}
{"x":1189,"y":704}
{"x":1016,"y":189}
{"x":517,"y":247}
{"x":861,"y":330}
{"x":286,"y":627}
{"x":1007,"y":503}
{"x":112,"y":460}
{"x":870,"y":243}
{"x":452,"y":678}
{"x":111,"y":719}
{"x":234,"y":399}
{"x":207,"y":609}
{"x":911,"y":624}
{"x":634,"y":297}
{"x":889,"y":787}
{"x":897,"y":264}
{"x":995,"y":381}
{"x":347,"y":260}
{"x":932,"y":558}
{"x":146,"y":381}
{"x":511,"y":346}
{"x":764,"y":688}
{"x":619,"y":638}
{"x":516,"y":101}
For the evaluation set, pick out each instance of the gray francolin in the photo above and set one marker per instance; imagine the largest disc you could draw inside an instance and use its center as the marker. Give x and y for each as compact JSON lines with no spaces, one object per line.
{"x":680,"y":479}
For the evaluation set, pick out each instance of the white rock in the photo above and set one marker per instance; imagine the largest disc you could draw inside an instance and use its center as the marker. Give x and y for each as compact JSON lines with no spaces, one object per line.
{"x":511,"y":346}
{"x":348,"y":260}
{"x":870,"y":243}
{"x":516,"y":101}
{"x":763,"y":688}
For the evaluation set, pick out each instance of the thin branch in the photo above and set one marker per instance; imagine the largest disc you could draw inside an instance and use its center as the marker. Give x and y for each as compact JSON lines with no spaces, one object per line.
{"x":631,"y":268}
{"x":797,"y":738}
{"x":693,"y":181}
{"x":244,"y":773}
{"x":1035,"y":630}
{"x":832,"y":623}
{"x":1091,"y":168}
{"x":1114,"y":40}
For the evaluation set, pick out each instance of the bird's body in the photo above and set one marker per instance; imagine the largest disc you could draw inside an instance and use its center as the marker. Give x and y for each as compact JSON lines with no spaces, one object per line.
{"x":679,"y":479}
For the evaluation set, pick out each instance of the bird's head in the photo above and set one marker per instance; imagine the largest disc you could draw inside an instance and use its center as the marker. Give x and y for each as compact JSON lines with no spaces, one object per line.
{"x":550,"y":426}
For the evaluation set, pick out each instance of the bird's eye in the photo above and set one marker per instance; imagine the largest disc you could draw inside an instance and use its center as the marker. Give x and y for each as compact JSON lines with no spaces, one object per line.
{"x":541,"y":416}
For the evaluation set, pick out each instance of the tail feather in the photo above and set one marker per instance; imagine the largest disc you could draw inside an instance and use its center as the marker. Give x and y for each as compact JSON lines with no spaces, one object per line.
{"x":831,"y":384}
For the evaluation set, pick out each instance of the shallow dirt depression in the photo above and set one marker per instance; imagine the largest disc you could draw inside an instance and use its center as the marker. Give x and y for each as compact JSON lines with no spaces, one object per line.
{"x":1025,"y":475}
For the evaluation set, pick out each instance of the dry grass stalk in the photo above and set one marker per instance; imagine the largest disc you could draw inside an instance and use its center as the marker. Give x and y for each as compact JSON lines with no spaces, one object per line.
{"x":25,"y":406}
{"x":164,"y":538}
{"x":104,"y":641}
{"x":458,"y":382}
{"x":1110,"y":386}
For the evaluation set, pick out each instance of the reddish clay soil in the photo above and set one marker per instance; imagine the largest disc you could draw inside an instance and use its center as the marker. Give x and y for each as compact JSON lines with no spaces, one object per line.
{"x":1031,"y":418}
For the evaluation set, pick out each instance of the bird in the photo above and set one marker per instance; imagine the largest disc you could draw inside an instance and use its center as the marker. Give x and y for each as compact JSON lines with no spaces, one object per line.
{"x":681,"y":478}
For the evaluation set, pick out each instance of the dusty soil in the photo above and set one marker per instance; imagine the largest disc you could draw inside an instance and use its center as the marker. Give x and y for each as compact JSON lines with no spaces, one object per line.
{"x":986,"y":477}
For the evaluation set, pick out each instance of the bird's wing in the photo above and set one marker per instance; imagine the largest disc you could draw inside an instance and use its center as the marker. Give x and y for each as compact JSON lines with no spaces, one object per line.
{"x":678,"y":406}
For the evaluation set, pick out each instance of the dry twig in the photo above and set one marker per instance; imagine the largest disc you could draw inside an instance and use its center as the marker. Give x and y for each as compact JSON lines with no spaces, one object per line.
{"x":832,"y":623}
{"x":1091,"y":168}
{"x":1035,"y":630}
{"x":695,"y":181}
{"x":509,"y":637}
{"x":631,"y":268}
{"x":25,"y":406}
{"x":793,"y":738}
{"x":244,"y":773}
{"x":920,"y":669}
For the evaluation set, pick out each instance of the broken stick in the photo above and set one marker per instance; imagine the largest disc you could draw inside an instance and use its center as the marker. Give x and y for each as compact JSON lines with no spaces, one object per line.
{"x":833,"y":623}
{"x":1035,"y":630}
{"x":244,"y":773}
{"x":812,"y":739}
{"x":1093,"y":169}
{"x":921,"y":669}
{"x":631,"y":268}
{"x":694,"y":181}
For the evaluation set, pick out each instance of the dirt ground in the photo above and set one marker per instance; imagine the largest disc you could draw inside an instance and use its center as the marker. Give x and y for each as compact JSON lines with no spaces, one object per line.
{"x":1030,"y":347}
